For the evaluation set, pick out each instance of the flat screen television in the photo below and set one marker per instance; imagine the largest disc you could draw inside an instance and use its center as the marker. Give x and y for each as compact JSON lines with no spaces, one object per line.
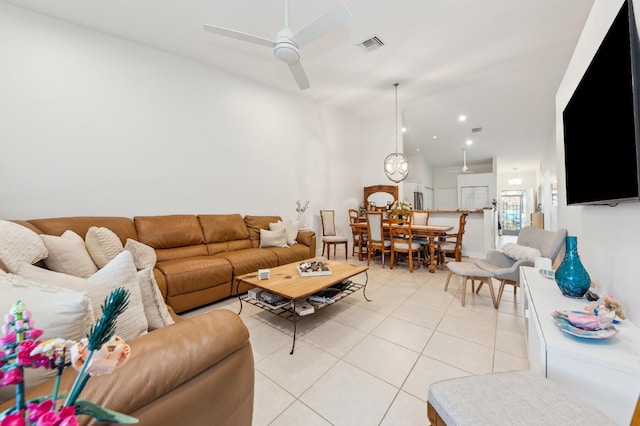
{"x":600,"y":121}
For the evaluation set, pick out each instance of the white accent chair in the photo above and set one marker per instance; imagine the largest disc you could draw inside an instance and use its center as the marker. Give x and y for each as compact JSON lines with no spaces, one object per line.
{"x":330,"y":236}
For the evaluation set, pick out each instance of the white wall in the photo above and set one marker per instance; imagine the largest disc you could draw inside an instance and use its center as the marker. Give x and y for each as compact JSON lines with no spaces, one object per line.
{"x":95,"y":125}
{"x":607,"y":237}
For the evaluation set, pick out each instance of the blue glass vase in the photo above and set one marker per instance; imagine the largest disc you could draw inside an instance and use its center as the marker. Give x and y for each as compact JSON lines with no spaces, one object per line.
{"x":571,"y":277}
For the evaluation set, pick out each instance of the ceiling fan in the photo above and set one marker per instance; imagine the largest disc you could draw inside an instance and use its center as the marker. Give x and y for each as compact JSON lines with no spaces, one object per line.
{"x":464,"y":168}
{"x":287,"y":43}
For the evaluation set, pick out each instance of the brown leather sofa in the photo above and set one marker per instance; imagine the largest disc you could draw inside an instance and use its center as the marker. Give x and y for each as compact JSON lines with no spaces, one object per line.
{"x":198,"y":255}
{"x":198,"y":371}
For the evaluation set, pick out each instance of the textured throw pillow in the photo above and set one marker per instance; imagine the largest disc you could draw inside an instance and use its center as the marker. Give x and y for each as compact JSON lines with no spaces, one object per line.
{"x":19,"y":244}
{"x":120,"y":272}
{"x":58,"y":312}
{"x":273,"y":238}
{"x":291,"y":230}
{"x":518,"y":252}
{"x":144,"y":256}
{"x":102,"y":244}
{"x":155,"y":309}
{"x":68,"y":254}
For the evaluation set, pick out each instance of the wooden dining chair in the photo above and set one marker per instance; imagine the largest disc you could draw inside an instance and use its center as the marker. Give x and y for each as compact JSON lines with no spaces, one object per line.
{"x":452,"y":243}
{"x":359,"y":239}
{"x":330,"y":236}
{"x":402,"y":241}
{"x":376,"y":240}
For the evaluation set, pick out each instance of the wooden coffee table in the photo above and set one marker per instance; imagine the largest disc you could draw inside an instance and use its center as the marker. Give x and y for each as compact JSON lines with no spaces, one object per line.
{"x":285,"y":281}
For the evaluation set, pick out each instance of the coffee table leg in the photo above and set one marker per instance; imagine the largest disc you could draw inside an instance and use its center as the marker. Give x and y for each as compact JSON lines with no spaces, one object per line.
{"x":238,"y":293}
{"x":293,"y":310}
{"x":364,"y":287}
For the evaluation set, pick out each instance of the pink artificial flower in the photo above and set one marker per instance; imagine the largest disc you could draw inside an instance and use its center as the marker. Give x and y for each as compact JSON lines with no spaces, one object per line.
{"x":50,"y":418}
{"x":25,"y":358}
{"x":68,"y":416}
{"x":34,"y":333}
{"x":13,"y":419}
{"x":110,"y":356}
{"x":11,"y":377}
{"x":8,"y":339}
{"x":38,"y":410}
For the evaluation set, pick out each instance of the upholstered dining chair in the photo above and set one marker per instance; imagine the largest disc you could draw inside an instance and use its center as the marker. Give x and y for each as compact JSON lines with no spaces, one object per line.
{"x":452,"y":243}
{"x":359,"y":240}
{"x":402,"y":241}
{"x":330,"y":236}
{"x":376,"y":240}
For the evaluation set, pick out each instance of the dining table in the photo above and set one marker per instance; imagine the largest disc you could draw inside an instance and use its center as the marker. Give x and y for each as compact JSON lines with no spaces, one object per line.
{"x":431,"y":232}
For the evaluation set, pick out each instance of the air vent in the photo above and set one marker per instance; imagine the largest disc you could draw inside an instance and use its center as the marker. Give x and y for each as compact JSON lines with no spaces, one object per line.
{"x":476,"y":129}
{"x":371,"y":44}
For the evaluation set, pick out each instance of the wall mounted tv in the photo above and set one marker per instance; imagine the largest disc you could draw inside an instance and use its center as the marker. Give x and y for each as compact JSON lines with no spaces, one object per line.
{"x":601,"y":123}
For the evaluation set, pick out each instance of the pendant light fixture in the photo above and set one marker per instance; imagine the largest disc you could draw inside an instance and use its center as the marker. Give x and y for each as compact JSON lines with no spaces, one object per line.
{"x":396,"y":165}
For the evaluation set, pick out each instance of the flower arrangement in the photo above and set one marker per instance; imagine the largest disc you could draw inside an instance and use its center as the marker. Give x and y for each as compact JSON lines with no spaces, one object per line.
{"x":100,"y":353}
{"x":301,"y":209}
{"x":403,"y":206}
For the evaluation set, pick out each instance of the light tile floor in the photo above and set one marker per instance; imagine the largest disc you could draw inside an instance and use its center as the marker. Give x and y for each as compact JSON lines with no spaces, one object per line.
{"x":371,"y":363}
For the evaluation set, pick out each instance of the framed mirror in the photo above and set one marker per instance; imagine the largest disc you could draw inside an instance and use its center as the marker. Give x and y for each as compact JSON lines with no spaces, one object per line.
{"x":380,"y":195}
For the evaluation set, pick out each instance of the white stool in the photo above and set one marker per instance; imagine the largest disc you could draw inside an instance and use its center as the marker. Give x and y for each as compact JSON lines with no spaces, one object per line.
{"x":469,"y":270}
{"x":511,"y":398}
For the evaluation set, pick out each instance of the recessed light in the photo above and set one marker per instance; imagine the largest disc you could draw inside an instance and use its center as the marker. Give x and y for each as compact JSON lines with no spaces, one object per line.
{"x":469,"y":142}
{"x":404,"y":130}
{"x":434,"y":137}
{"x":417,"y":149}
{"x":462,"y":118}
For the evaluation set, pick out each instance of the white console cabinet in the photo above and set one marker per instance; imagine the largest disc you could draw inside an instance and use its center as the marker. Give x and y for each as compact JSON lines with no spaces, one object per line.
{"x":603,"y":372}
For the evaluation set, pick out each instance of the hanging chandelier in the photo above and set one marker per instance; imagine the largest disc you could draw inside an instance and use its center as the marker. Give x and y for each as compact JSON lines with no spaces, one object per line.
{"x":396,"y":164}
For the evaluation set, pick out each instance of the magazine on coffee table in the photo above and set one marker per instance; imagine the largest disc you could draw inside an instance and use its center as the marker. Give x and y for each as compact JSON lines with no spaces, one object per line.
{"x":313,"y":269}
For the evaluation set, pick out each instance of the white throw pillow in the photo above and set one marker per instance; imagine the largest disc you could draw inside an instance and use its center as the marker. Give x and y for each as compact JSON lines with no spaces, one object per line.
{"x":155,"y":309}
{"x":68,"y":254}
{"x":57,"y":311}
{"x":19,"y":244}
{"x":291,"y":230}
{"x":518,"y":252}
{"x":102,"y":244}
{"x":144,"y":256}
{"x":120,"y":272}
{"x":273,"y":238}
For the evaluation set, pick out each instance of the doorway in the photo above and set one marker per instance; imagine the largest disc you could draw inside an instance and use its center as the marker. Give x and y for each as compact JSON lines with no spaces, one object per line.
{"x":513,"y":209}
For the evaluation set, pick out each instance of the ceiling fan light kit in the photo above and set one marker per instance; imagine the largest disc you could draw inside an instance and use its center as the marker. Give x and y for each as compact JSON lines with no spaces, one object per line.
{"x":396,"y":164}
{"x":287,"y":43}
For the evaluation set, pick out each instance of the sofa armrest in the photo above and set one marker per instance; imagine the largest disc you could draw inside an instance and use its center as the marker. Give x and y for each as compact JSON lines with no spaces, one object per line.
{"x":308,"y":238}
{"x":165,"y":361}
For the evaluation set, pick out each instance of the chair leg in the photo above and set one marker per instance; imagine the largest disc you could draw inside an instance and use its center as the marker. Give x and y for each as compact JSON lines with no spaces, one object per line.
{"x":500,"y":290}
{"x":346,"y":250}
{"x":446,"y":284}
{"x":496,"y":303}
{"x":464,"y":289}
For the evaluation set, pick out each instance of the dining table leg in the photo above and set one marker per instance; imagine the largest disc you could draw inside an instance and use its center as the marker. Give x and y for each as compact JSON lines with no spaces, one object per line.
{"x":432,"y":250}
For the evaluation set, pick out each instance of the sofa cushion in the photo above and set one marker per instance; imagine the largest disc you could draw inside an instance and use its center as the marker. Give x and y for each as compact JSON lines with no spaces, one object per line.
{"x":256,"y":223}
{"x":296,"y":253}
{"x":19,"y":244}
{"x":102,"y":244}
{"x":155,"y":310}
{"x":172,"y":236}
{"x":68,"y":254}
{"x":120,"y":272}
{"x":195,"y":273}
{"x":144,"y":256}
{"x":249,"y":260}
{"x":273,"y":238}
{"x":122,"y":226}
{"x":57,"y":311}
{"x":223,"y":227}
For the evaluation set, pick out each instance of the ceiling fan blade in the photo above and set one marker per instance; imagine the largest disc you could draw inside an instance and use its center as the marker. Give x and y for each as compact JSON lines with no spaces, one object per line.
{"x":322,"y":25}
{"x":299,"y":75}
{"x":239,"y":35}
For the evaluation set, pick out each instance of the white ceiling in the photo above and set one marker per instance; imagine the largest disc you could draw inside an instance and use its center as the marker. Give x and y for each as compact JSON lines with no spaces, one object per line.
{"x":497,"y":61}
